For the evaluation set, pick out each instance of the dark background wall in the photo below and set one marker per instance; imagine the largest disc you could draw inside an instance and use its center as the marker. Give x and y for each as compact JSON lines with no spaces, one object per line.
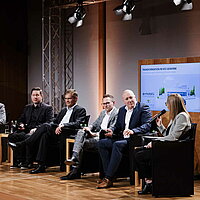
{"x":174,"y":34}
{"x":13,"y":56}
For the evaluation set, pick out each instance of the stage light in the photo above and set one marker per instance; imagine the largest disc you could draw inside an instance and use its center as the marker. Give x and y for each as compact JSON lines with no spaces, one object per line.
{"x":126,"y":8}
{"x":184,"y":4}
{"x":177,"y":2}
{"x":78,"y":16}
{"x":187,"y":5}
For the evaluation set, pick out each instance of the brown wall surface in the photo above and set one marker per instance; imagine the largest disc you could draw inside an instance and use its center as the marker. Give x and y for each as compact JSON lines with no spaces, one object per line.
{"x":13,"y":57}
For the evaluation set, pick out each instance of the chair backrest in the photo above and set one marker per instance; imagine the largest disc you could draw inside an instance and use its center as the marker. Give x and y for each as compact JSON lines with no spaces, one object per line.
{"x":86,"y":121}
{"x":190,"y":134}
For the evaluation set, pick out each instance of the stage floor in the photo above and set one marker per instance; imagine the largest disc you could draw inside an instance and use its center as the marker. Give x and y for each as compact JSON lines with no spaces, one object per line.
{"x":16,"y":184}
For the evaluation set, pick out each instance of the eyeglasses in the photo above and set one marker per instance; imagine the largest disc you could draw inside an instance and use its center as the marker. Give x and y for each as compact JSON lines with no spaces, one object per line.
{"x":106,"y":103}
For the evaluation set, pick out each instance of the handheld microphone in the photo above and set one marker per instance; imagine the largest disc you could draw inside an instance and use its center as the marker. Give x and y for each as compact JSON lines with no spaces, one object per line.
{"x":157,"y":115}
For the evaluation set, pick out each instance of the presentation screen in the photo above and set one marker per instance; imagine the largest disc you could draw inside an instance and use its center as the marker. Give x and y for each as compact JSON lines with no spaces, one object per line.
{"x":161,"y":80}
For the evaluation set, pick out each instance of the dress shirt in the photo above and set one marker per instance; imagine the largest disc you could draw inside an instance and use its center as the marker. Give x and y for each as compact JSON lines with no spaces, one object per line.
{"x":127,"y":118}
{"x":67,"y":116}
{"x":34,"y":116}
{"x":104,"y":123}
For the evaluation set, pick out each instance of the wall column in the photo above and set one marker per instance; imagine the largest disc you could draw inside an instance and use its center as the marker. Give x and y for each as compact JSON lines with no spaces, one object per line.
{"x":101,"y":52}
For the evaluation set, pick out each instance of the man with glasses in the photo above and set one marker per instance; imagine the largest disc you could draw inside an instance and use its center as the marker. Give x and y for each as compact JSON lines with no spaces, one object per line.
{"x":132,"y":118}
{"x":88,"y":137}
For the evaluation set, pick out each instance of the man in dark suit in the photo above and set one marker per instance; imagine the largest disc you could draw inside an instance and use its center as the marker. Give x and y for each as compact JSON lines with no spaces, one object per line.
{"x":132,"y":118}
{"x":88,"y":137}
{"x":66,"y":123}
{"x":33,"y":116}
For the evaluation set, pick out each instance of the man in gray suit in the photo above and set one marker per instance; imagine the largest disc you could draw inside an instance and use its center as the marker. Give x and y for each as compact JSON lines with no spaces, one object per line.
{"x":2,"y":114}
{"x":88,"y":137}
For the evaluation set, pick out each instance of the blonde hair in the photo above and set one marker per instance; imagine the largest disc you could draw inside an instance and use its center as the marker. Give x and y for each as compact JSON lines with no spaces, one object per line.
{"x":176,"y":105}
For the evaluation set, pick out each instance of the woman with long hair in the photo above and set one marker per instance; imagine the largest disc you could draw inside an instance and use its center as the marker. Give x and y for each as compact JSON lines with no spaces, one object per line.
{"x":180,"y":122}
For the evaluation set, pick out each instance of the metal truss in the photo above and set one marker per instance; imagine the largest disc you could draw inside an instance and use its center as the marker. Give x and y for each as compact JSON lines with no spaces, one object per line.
{"x":57,"y":56}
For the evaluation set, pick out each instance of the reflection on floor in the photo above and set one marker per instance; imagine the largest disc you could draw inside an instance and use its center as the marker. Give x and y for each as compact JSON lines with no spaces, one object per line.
{"x":18,"y":184}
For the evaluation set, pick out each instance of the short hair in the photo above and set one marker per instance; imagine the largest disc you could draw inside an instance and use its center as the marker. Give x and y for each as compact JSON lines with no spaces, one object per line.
{"x":110,"y":96}
{"x":129,"y":91}
{"x":37,"y":89}
{"x":73,"y":92}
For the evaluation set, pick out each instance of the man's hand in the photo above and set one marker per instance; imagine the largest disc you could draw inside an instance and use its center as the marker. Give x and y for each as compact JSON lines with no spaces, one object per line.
{"x":58,"y":130}
{"x":159,"y":121}
{"x":86,"y":129}
{"x":33,"y":130}
{"x":128,"y":132}
{"x":149,"y":145}
{"x":109,"y":133}
{"x":21,"y":127}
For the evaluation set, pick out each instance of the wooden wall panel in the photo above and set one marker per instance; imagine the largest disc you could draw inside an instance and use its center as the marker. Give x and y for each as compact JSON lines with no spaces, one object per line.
{"x":13,"y":57}
{"x":194,"y":115}
{"x":101,"y":53}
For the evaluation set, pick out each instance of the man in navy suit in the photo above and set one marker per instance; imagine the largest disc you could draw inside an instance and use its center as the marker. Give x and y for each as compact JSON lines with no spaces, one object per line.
{"x":132,"y":118}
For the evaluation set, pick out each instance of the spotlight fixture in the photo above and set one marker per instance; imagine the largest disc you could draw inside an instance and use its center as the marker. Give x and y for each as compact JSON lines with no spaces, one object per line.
{"x":177,"y":2}
{"x":78,"y":16}
{"x":184,"y":4}
{"x":126,"y":8}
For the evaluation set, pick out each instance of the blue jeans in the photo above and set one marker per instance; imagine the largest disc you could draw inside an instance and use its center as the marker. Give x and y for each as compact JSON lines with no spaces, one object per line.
{"x":111,"y":152}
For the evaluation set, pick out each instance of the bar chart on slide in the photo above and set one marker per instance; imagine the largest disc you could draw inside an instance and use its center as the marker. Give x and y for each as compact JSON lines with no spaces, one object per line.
{"x":160,"y":80}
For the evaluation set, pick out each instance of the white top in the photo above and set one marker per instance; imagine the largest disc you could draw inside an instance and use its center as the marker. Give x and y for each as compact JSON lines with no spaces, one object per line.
{"x":104,"y":123}
{"x":127,"y":119}
{"x":67,"y":116}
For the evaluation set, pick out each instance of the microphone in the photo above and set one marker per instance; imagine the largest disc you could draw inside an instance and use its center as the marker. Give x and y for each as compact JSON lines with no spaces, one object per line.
{"x":157,"y":115}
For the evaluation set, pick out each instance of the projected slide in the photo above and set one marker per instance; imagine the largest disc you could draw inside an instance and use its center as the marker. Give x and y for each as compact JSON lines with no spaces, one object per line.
{"x":159,"y":81}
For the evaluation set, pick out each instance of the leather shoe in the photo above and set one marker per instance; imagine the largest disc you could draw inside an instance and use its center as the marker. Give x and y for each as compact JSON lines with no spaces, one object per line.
{"x":71,"y":176}
{"x":15,"y":165}
{"x":16,"y":145}
{"x":106,"y":183}
{"x":63,"y":167}
{"x":26,"y":165}
{"x":100,"y":181}
{"x":147,"y":189}
{"x":72,"y":161}
{"x":39,"y":169}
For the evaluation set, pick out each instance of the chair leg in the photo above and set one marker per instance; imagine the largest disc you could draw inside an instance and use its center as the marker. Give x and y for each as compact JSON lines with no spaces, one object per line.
{"x":68,"y":142}
{"x":137,"y":180}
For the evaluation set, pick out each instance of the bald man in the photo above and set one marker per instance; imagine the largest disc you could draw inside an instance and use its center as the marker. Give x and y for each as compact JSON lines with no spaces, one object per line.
{"x":132,"y":118}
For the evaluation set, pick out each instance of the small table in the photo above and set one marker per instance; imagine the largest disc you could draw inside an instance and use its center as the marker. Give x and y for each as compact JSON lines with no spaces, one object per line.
{"x":10,"y":152}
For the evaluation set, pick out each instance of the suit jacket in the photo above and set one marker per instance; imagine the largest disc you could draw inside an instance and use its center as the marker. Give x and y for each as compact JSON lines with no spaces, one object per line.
{"x":77,"y":117}
{"x":138,"y":123}
{"x":179,"y":125}
{"x":96,"y":126}
{"x":2,"y":114}
{"x":44,"y":114}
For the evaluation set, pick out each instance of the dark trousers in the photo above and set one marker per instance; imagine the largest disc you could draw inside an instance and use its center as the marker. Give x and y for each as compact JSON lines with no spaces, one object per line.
{"x":62,"y":143}
{"x":19,"y":155}
{"x":43,"y":137}
{"x":37,"y":143}
{"x":143,"y":162}
{"x":111,"y":152}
